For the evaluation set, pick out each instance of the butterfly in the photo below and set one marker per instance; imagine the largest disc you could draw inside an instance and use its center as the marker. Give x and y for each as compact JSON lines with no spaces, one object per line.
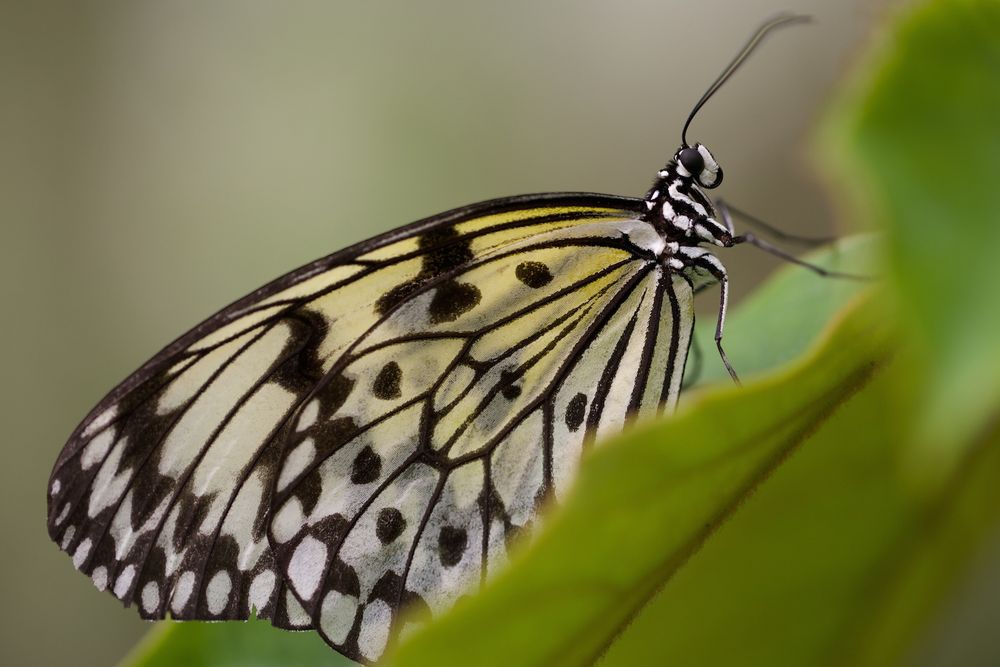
{"x":368,"y":433}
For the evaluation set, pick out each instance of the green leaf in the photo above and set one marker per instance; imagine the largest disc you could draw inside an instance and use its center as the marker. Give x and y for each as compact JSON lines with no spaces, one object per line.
{"x":641,"y":507}
{"x":836,"y":560}
{"x":231,"y":644}
{"x":918,"y":143}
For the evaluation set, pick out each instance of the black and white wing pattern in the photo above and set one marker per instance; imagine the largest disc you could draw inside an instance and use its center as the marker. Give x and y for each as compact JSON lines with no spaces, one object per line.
{"x":367,"y":433}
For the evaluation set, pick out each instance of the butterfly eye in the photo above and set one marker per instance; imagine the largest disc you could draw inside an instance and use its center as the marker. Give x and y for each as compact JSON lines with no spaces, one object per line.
{"x":691,"y":160}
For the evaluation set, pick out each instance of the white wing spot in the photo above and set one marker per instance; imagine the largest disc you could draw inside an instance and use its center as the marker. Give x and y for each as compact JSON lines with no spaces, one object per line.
{"x":261,"y":589}
{"x":306,"y":566}
{"x":63,"y":513}
{"x":82,"y":551}
{"x":218,"y":592}
{"x":337,"y":615}
{"x":288,"y":520}
{"x":67,"y":536}
{"x":150,"y":597}
{"x":100,"y":577}
{"x":97,"y":449}
{"x":100,"y":421}
{"x":296,"y":462}
{"x":375,"y":623}
{"x":309,"y":415}
{"x":185,"y":586}
{"x":297,"y":616}
{"x":124,"y":581}
{"x":56,"y":485}
{"x":110,"y":482}
{"x":121,"y":526}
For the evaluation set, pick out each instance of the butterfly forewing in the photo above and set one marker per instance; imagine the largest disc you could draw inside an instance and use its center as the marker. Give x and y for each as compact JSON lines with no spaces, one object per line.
{"x":369,"y":432}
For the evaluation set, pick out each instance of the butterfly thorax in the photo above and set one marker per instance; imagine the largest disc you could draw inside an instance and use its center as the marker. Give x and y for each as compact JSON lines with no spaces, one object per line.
{"x":679,"y":209}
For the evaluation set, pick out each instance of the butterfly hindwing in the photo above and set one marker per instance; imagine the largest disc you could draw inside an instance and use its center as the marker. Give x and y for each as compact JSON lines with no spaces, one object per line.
{"x":433,"y":439}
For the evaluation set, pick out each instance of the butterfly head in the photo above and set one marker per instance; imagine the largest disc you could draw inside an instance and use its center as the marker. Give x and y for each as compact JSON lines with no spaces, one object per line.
{"x":698,"y":163}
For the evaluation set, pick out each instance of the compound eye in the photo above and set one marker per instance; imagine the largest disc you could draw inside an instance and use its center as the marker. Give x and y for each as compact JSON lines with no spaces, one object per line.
{"x":691,"y":159}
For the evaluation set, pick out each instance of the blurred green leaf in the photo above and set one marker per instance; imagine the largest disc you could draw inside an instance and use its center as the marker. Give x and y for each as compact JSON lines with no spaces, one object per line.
{"x":641,"y":507}
{"x":835,"y":560}
{"x":251,"y":644}
{"x":918,"y":143}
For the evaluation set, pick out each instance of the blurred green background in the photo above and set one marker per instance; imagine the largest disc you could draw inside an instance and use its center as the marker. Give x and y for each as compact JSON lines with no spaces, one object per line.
{"x":160,"y":159}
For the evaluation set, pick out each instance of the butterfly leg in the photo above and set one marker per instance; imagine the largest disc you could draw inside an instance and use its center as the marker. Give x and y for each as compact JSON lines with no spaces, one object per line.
{"x":702,"y":259}
{"x":727,"y":218}
{"x":726,"y":211}
{"x":778,"y":252}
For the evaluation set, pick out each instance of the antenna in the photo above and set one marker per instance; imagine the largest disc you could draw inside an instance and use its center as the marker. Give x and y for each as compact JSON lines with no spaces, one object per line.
{"x":776,"y":22}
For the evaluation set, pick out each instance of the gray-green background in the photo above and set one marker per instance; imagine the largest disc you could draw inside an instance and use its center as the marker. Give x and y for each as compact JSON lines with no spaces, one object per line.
{"x":160,"y":159}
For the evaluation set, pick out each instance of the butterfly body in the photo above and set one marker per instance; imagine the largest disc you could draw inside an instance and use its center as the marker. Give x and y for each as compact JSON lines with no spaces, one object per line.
{"x":366,"y":435}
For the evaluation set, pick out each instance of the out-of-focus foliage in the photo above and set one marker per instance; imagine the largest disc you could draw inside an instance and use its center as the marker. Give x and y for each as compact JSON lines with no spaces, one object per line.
{"x":782,"y":523}
{"x":918,"y":146}
{"x":252,"y":644}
